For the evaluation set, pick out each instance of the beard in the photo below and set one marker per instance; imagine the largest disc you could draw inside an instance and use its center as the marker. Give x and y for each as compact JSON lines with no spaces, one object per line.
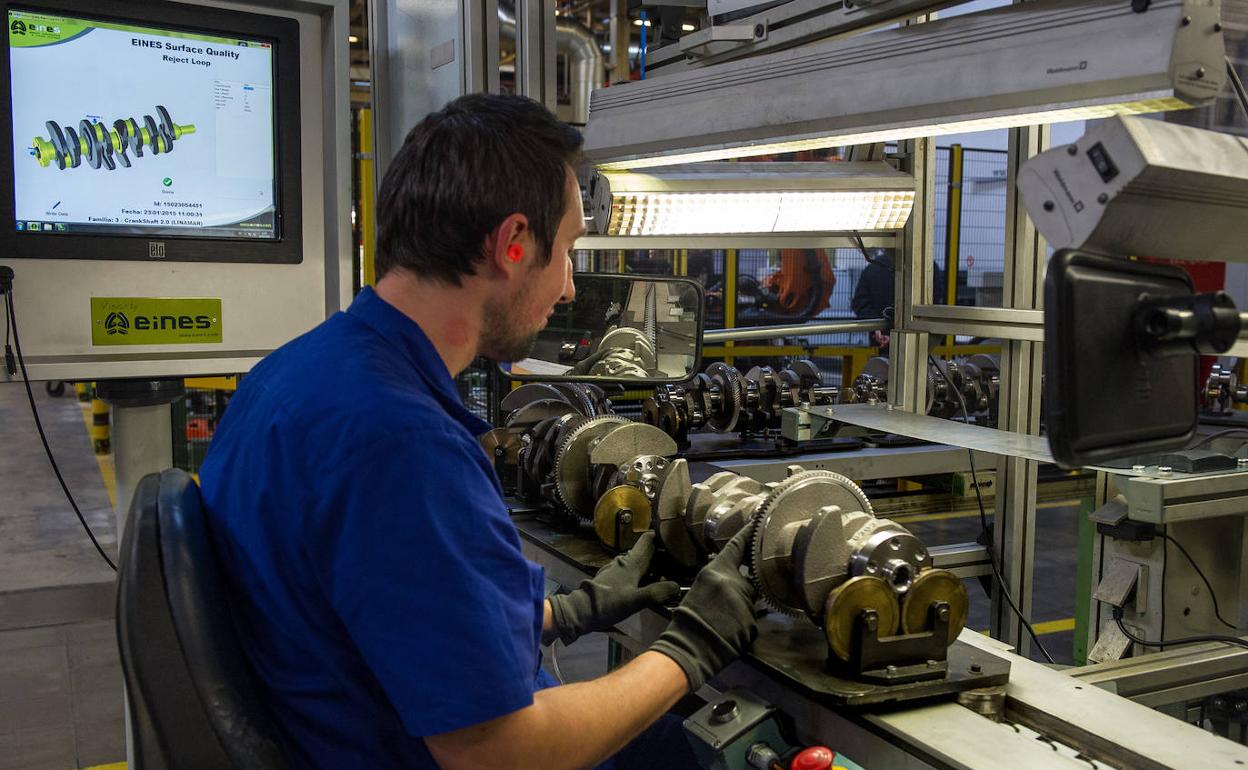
{"x":502,"y":339}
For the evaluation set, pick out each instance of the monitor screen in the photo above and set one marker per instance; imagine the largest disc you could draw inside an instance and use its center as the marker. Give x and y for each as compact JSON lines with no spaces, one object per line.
{"x":125,"y":128}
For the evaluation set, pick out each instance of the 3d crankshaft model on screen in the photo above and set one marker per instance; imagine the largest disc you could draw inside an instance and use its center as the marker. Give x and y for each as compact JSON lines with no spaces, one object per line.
{"x":102,"y":147}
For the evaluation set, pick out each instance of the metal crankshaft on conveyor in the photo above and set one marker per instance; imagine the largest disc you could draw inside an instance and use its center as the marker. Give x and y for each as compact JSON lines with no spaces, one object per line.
{"x":724,"y":400}
{"x":977,"y":380}
{"x":817,"y":550}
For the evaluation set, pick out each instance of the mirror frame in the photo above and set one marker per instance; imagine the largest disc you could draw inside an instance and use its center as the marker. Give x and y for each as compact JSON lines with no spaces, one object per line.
{"x":632,"y":277}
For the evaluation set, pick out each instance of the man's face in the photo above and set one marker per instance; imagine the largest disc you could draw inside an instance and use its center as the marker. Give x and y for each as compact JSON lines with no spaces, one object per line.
{"x":512,"y":324}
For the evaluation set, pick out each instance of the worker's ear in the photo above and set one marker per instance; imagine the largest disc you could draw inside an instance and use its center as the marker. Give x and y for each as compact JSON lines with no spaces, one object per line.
{"x":509,"y":249}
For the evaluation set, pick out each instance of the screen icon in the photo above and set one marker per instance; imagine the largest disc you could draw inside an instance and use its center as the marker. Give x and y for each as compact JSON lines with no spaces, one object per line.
{"x":34,"y":226}
{"x":47,"y":227}
{"x":61,"y":227}
{"x":21,"y":226}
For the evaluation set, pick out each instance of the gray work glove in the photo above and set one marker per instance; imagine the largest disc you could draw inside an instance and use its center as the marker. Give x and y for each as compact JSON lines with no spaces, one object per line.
{"x":609,"y":596}
{"x":715,"y":623}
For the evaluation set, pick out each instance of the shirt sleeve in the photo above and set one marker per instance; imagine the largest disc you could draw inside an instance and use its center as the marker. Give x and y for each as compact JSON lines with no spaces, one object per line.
{"x":419,"y":559}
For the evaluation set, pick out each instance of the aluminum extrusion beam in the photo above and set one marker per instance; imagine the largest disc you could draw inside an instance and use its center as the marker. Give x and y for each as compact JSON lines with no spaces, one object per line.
{"x":1036,"y":62}
{"x":1177,"y":675}
{"x":785,"y":26}
{"x":769,"y":332}
{"x":987,"y":322}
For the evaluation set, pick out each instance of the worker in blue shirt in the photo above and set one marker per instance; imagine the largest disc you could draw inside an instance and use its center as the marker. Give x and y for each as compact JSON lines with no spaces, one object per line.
{"x":377,"y":583}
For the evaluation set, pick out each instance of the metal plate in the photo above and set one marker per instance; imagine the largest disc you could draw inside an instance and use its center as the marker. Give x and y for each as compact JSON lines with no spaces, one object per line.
{"x":669,"y":515}
{"x":848,"y":601}
{"x":795,"y":653}
{"x":632,"y":440}
{"x":606,"y":512}
{"x":527,"y":394}
{"x":934,"y":585}
{"x":882,"y":417}
{"x":503,"y":444}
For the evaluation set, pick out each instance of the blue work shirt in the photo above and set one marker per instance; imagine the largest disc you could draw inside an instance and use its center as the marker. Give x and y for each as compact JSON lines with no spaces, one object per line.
{"x":377,"y":581}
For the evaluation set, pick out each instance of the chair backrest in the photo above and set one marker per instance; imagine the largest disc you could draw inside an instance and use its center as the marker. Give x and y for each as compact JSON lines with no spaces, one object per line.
{"x":192,"y":698}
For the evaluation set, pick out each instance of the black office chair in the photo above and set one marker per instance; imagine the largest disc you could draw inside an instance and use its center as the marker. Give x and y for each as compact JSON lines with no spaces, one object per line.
{"x":193,"y":702}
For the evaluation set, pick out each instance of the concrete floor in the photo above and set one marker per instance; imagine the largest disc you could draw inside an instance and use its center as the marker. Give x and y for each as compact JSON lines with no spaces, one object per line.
{"x":60,"y":678}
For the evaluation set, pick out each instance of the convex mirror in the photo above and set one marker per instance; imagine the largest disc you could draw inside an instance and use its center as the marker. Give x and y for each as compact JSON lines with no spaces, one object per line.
{"x":620,"y":328}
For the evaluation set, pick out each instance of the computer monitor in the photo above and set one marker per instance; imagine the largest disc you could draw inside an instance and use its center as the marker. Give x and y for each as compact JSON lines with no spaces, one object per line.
{"x":150,"y":131}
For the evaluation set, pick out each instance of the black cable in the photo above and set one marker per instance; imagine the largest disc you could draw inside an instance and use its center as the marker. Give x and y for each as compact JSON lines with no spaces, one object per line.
{"x":983,"y":522}
{"x":1218,"y":434}
{"x":1217,"y":613}
{"x":1185,"y":640}
{"x":862,"y":246}
{"x":11,"y":314}
{"x":1165,"y":566}
{"x":1237,"y":85}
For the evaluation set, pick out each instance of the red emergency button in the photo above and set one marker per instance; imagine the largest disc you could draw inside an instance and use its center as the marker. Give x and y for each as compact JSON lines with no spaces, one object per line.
{"x":813,"y":758}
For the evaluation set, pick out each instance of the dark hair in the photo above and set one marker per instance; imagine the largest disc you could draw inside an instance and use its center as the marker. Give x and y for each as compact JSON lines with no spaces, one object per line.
{"x":462,"y":171}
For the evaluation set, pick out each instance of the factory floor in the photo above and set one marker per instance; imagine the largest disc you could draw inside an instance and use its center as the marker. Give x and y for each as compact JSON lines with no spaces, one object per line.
{"x":60,"y":678}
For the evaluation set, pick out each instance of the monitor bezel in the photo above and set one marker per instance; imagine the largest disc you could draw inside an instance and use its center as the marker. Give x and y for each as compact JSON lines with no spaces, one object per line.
{"x":287,"y":248}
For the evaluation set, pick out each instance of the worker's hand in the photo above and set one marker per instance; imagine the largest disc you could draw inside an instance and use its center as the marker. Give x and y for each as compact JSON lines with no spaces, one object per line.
{"x":715,"y":623}
{"x":609,"y":596}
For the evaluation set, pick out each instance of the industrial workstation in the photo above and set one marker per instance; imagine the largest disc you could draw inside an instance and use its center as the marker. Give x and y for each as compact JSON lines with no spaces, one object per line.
{"x":723,"y":384}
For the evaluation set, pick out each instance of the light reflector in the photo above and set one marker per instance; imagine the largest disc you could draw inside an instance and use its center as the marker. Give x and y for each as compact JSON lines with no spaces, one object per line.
{"x":736,"y":198}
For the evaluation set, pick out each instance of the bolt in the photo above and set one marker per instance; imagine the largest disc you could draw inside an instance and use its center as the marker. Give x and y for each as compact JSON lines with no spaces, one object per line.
{"x":1102,"y":198}
{"x":759,"y":30}
{"x":1217,"y":27}
{"x":943,"y":614}
{"x":1219,"y":703}
{"x":1164,"y":469}
{"x":933,"y":664}
{"x":1048,"y":206}
{"x":976,"y":668}
{"x":1138,"y":468}
{"x":1242,"y":462}
{"x":1241,"y":706}
{"x":1187,"y":20}
{"x":872,"y":623}
{"x":891,"y":669}
{"x":1200,"y":72}
{"x":1072,"y":150}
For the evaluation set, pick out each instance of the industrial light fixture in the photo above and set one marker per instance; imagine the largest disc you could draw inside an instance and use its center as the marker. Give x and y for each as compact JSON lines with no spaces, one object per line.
{"x":734,"y":198}
{"x":1138,"y":187}
{"x":1038,"y":62}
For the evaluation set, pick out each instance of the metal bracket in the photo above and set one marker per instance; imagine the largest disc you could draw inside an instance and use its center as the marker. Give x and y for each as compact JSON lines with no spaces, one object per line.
{"x":1111,"y":644}
{"x":904,"y":658}
{"x":1120,"y":580}
{"x":724,"y":33}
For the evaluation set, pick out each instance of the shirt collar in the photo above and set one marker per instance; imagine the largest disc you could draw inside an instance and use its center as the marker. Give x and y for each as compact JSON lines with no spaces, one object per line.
{"x":406,"y":335}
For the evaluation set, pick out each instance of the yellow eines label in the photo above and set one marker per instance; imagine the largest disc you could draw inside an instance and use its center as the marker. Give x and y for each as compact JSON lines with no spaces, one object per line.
{"x":154,"y":321}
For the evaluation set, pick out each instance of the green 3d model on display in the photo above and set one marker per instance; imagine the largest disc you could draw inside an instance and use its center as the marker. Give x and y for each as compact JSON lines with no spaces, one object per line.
{"x":98,"y":145}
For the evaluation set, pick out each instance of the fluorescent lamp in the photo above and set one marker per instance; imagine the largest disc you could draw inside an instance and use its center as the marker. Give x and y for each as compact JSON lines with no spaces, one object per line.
{"x":1137,"y":187}
{"x":735,"y":198}
{"x":1038,"y":62}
